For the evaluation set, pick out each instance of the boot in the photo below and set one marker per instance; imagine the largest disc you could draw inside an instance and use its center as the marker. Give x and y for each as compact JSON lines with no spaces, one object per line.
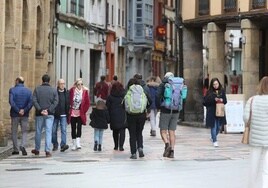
{"x":78,"y":143}
{"x":99,"y":148}
{"x":95,"y":146}
{"x":74,"y":145}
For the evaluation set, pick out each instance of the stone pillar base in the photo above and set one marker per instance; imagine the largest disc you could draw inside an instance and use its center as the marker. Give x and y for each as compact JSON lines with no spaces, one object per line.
{"x":3,"y":141}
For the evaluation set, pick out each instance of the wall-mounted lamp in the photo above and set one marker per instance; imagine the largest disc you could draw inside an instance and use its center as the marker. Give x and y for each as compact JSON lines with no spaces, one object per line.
{"x":243,"y":40}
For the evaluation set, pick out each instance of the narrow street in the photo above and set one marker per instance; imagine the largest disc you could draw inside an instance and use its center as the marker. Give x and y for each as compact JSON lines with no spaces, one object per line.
{"x":196,"y":164}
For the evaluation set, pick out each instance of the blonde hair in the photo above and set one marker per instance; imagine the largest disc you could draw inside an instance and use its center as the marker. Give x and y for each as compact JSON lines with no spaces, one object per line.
{"x":263,"y":86}
{"x":78,"y":80}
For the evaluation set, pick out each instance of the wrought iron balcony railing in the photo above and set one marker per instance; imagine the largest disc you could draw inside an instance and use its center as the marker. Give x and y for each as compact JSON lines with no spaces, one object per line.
{"x":230,"y":5}
{"x":203,"y":7}
{"x":256,"y":4}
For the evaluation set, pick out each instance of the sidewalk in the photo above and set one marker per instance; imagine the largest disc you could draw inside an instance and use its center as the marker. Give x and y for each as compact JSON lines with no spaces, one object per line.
{"x":192,"y":143}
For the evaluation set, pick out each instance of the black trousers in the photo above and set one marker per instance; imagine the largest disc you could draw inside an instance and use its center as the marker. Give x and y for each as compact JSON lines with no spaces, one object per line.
{"x":76,"y":125}
{"x":119,"y":137}
{"x":135,"y":128}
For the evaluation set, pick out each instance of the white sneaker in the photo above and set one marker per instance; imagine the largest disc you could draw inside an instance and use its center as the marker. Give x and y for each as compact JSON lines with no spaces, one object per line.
{"x":74,"y":145}
{"x":215,"y":144}
{"x":78,"y":143}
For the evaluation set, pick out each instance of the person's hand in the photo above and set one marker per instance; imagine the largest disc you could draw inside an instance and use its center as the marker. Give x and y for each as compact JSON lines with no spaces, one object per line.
{"x":44,"y":112}
{"x":21,"y":112}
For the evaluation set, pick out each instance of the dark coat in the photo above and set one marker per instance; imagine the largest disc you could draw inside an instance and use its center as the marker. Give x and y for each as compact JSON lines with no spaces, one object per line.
{"x":85,"y":104}
{"x":153,"y":92}
{"x":20,"y":97}
{"x":116,"y":110}
{"x":210,"y":104}
{"x":67,"y":103}
{"x":99,"y":118}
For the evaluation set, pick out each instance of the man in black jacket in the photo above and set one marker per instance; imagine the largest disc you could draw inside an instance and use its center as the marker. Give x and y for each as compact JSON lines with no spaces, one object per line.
{"x":60,"y":117}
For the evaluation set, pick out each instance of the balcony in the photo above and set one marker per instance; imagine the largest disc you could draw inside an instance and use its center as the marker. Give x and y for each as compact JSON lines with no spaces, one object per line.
{"x":203,"y":7}
{"x":230,"y":6}
{"x":258,"y":4}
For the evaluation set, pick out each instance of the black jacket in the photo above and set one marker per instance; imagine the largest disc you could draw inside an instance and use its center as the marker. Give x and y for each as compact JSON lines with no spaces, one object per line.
{"x":210,"y":104}
{"x":99,"y":118}
{"x":67,"y":104}
{"x":116,"y":110}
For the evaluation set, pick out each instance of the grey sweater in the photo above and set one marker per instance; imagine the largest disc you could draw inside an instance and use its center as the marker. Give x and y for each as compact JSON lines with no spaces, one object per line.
{"x":45,"y":97}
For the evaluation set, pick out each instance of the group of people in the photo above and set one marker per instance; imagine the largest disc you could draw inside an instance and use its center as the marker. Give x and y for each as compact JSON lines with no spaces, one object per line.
{"x":57,"y":107}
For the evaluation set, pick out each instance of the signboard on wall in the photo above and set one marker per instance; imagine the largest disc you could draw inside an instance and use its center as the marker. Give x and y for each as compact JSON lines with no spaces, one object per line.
{"x":234,"y":110}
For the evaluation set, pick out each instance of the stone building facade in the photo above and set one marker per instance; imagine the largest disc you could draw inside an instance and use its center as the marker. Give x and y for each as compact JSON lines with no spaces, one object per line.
{"x":25,"y":48}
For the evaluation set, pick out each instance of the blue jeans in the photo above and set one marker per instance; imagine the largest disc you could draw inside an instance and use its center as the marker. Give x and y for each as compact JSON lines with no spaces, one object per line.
{"x":98,"y":134}
{"x":215,"y":130}
{"x":62,"y":121}
{"x":40,"y":123}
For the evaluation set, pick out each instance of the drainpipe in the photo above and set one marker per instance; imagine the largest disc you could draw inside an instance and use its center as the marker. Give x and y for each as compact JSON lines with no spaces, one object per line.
{"x":55,"y":37}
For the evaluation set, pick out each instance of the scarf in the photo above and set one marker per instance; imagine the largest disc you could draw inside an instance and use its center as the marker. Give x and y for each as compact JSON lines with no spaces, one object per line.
{"x":77,"y":99}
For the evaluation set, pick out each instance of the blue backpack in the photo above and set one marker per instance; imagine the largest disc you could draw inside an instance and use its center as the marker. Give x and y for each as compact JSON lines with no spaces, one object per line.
{"x":173,"y":93}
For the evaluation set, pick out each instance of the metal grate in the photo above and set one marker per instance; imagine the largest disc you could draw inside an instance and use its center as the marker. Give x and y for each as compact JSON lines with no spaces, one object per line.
{"x":81,"y":161}
{"x":258,"y":4}
{"x":230,"y":5}
{"x":23,"y":169}
{"x":64,"y":173}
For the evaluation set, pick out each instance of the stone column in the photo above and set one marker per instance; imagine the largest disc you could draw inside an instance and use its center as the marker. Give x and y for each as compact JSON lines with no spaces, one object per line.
{"x":3,"y":138}
{"x":193,"y":68}
{"x":250,"y":57}
{"x":216,"y":62}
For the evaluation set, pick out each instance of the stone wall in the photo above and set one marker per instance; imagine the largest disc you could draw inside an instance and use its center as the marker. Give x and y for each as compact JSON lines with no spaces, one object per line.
{"x":24,"y":25}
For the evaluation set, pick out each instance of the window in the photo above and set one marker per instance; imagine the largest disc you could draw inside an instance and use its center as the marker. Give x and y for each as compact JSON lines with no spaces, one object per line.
{"x":119,"y":17}
{"x":81,"y":8}
{"x":123,"y":18}
{"x":112,"y":15}
{"x":148,"y":13}
{"x":108,"y":13}
{"x":73,"y":6}
{"x":139,"y":12}
{"x":258,"y":4}
{"x":203,"y":7}
{"x":230,"y":5}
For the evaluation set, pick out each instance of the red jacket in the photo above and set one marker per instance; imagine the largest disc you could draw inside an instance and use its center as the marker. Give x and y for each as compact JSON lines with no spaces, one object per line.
{"x":101,"y":90}
{"x":84,"y":105}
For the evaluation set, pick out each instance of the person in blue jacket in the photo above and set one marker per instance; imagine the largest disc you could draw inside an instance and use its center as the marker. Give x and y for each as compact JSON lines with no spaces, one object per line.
{"x":20,"y":100}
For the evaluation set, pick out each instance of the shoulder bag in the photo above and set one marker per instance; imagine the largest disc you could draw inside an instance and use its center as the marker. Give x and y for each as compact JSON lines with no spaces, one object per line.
{"x":245,"y":138}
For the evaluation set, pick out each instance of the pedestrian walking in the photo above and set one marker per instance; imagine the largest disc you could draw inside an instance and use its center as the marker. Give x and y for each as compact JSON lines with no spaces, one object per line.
{"x":45,"y":100}
{"x":169,"y":111}
{"x":115,"y":79}
{"x":153,"y":84}
{"x":79,"y":105}
{"x":215,"y":94}
{"x":258,"y":137}
{"x":20,"y":100}
{"x":101,"y":89}
{"x":60,"y":117}
{"x":235,"y":80}
{"x":99,"y":121}
{"x":117,"y":114}
{"x":137,"y":103}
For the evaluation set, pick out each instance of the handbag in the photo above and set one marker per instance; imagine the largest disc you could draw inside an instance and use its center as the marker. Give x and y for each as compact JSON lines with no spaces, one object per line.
{"x":220,"y":110}
{"x":245,"y":138}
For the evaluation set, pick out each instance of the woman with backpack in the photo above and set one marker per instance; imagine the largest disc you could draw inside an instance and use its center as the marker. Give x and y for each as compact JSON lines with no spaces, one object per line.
{"x":136,"y":115}
{"x":215,"y":94}
{"x":117,"y":114}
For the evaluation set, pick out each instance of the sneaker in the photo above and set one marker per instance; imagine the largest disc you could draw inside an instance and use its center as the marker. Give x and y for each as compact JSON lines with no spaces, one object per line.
{"x":141,"y":154}
{"x":171,"y":154}
{"x":64,"y":147}
{"x":48,"y":154}
{"x":153,"y":133}
{"x":116,"y":148}
{"x":99,"y":148}
{"x":95,"y":146}
{"x":22,"y":149}
{"x":133,"y":156}
{"x":55,"y":148}
{"x":121,"y":149}
{"x":167,"y":150}
{"x":35,"y":152}
{"x":15,"y":153}
{"x":215,"y":144}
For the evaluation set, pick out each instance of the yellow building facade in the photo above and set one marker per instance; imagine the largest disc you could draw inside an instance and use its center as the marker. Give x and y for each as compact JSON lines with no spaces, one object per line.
{"x":25,"y":49}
